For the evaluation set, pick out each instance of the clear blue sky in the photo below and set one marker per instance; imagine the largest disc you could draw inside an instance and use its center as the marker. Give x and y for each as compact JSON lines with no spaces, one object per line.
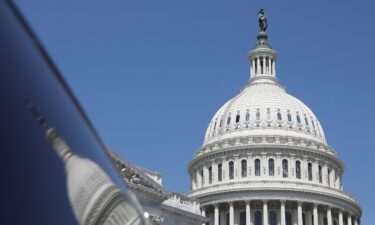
{"x":151,"y":74}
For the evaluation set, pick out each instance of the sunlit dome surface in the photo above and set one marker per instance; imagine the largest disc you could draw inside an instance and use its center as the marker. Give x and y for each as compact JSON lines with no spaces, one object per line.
{"x":264,"y":108}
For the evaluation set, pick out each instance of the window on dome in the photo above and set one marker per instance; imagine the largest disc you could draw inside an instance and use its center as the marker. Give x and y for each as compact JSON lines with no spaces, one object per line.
{"x":279,"y":115}
{"x":215,"y":125}
{"x":271,"y":167}
{"x":202,"y":177}
{"x":221,"y":123}
{"x":288,"y":218}
{"x":238,"y":118}
{"x":231,"y":170}
{"x":272,"y":218}
{"x":268,"y":114}
{"x":258,"y":114}
{"x":306,"y":121}
{"x":257,"y":167}
{"x":313,"y":124}
{"x":325,"y":221}
{"x":210,"y":174}
{"x":247,"y":118}
{"x":228,"y":120}
{"x":298,"y":119}
{"x":219,"y":172}
{"x":289,"y":117}
{"x":244,"y":168}
{"x":285,"y":168}
{"x":320,"y":174}
{"x":258,"y":218}
{"x":298,"y":169}
{"x":310,"y":172}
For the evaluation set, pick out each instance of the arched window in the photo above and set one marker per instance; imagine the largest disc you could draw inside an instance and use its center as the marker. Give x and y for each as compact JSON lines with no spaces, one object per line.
{"x":268,"y":114}
{"x":258,"y":114}
{"x":298,"y":119}
{"x":298,"y":169}
{"x":202,"y":178}
{"x":219,"y":172}
{"x":231,"y":170}
{"x":320,"y":174}
{"x":244,"y":168}
{"x":210,"y":174}
{"x":215,"y":125}
{"x":228,"y":120}
{"x":279,"y":116}
{"x":227,"y":219}
{"x":285,"y":168}
{"x":247,"y":118}
{"x":238,"y":118}
{"x":243,"y":218}
{"x":272,"y":218}
{"x":306,"y":121}
{"x":258,"y":218}
{"x":221,"y":123}
{"x":310,"y":172}
{"x":289,"y":117}
{"x":271,"y":167}
{"x":313,"y":124}
{"x":257,"y":167}
{"x":325,"y":221}
{"x":288,"y":218}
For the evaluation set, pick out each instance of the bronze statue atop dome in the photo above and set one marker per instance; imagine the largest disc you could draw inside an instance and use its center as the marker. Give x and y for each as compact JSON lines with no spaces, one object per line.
{"x":262,"y":21}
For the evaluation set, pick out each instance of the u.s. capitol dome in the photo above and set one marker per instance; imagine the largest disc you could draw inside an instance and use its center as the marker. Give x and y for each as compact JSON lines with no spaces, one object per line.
{"x":265,"y":159}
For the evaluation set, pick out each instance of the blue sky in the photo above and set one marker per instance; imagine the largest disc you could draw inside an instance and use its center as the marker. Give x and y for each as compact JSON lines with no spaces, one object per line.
{"x":151,"y":74}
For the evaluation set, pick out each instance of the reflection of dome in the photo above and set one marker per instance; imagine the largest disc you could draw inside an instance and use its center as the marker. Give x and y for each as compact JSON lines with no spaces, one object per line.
{"x":264,"y":109}
{"x":93,"y":196}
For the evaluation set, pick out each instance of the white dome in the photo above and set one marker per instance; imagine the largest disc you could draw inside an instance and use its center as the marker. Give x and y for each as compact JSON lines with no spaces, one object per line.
{"x":263,"y":108}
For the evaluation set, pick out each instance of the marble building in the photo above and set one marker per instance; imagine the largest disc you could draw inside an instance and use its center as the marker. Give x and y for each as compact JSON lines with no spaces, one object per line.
{"x":265,"y":159}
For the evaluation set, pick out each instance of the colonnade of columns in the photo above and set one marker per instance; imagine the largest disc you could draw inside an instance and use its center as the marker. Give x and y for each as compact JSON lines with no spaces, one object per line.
{"x":257,"y":212}
{"x":262,"y":65}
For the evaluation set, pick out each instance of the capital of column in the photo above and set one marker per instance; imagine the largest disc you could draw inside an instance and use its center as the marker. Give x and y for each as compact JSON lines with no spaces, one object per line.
{"x":299,"y":203}
{"x":230,"y":203}
{"x":265,"y":201}
{"x":282,"y":202}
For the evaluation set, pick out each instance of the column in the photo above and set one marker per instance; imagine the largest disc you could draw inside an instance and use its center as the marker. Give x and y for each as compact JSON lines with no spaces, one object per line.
{"x":258,"y":65}
{"x":264,"y":65}
{"x":355,"y":221}
{"x":252,"y":68}
{"x":333,"y":178}
{"x":282,"y":212}
{"x":299,"y":213}
{"x":315,"y":212}
{"x":273,"y":67}
{"x":265,"y":212}
{"x":269,"y":66}
{"x":329,"y":216}
{"x":216,"y":216}
{"x":309,"y":217}
{"x":214,"y":172}
{"x":231,"y":214}
{"x":341,"y":220}
{"x":350,"y":220}
{"x":203,"y":214}
{"x":248,"y":213}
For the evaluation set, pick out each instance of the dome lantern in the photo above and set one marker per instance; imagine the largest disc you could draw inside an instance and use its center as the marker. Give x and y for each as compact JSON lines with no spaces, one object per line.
{"x":262,"y":58}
